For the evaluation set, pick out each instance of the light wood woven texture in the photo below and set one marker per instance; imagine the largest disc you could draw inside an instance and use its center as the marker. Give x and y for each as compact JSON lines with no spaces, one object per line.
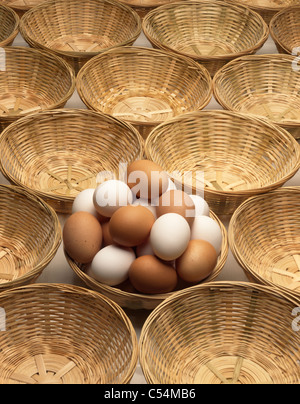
{"x":238,"y":155}
{"x":57,"y":154}
{"x":284,"y":29}
{"x":264,"y":235}
{"x":33,"y":80}
{"x":266,"y":8}
{"x":222,"y":333}
{"x":128,"y":298}
{"x":91,"y":27}
{"x":212,"y":33}
{"x":21,"y":6}
{"x":30,"y":235}
{"x":9,"y":25}
{"x":142,"y":7}
{"x":143,"y":86}
{"x":262,"y":85}
{"x":63,"y":334}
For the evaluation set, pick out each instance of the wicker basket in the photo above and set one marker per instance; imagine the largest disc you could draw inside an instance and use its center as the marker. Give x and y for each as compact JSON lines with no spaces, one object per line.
{"x":30,"y":235}
{"x":262,"y":85}
{"x":212,"y":33}
{"x":284,"y":29}
{"x":222,"y":333}
{"x":60,"y":334}
{"x":57,"y":154}
{"x":266,"y":8}
{"x":32,"y":81}
{"x":238,"y":155}
{"x":21,"y":6}
{"x":142,"y":7}
{"x":92,"y":26}
{"x":144,"y":86}
{"x":9,"y":25}
{"x":128,"y":298}
{"x":264,"y":236}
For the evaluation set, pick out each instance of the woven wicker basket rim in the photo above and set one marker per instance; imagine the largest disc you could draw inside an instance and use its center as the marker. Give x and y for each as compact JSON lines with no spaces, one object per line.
{"x":251,"y":59}
{"x":16,"y":18}
{"x":284,"y":133}
{"x":22,"y":7}
{"x":238,"y":7}
{"x":231,"y":238}
{"x":116,"y":3}
{"x":128,"y":50}
{"x":277,"y":16}
{"x":57,"y":233}
{"x":141,"y":296}
{"x":80,"y":291}
{"x":264,"y":8}
{"x":46,"y":55}
{"x":60,"y":112}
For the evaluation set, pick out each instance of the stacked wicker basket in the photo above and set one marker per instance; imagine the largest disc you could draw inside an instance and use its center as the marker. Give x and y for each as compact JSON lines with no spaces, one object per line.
{"x":148,"y":103}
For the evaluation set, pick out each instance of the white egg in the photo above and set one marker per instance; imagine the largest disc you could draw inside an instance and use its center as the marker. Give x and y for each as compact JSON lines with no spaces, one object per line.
{"x":170,"y":235}
{"x":146,"y":204}
{"x":84,"y":202}
{"x":201,"y":206}
{"x":111,"y":264}
{"x":110,"y":195}
{"x":206,"y":228}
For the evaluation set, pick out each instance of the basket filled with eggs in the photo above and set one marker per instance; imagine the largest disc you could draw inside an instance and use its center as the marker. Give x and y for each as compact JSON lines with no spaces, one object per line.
{"x":138,"y":239}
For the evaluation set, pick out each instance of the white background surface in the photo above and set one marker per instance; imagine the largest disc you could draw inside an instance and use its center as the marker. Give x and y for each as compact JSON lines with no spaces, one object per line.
{"x":60,"y":272}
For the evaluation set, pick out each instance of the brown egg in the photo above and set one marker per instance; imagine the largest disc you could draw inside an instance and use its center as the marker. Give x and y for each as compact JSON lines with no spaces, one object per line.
{"x":146,"y":179}
{"x":149,"y":275}
{"x":82,"y":237}
{"x":197,"y":262}
{"x":130,"y":225}
{"x":107,"y":238}
{"x":176,"y":201}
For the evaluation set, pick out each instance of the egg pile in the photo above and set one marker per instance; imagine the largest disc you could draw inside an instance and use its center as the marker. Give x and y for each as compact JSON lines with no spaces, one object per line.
{"x":143,"y":231}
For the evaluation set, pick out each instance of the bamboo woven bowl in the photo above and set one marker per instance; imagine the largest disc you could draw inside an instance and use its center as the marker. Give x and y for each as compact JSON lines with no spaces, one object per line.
{"x":9,"y":25}
{"x":285,"y":30}
{"x":142,"y":7}
{"x":92,"y":26}
{"x":21,"y":6}
{"x":143,"y":86}
{"x":30,"y":235}
{"x":222,"y":333}
{"x":56,"y":154}
{"x":32,"y":81}
{"x":264,"y":236}
{"x":266,"y":8}
{"x":63,"y":334}
{"x":212,"y":33}
{"x":128,"y":298}
{"x":262,"y":85}
{"x":231,"y":156}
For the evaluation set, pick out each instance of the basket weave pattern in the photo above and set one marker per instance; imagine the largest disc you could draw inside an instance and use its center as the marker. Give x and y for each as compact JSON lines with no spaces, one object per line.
{"x":264,"y":236}
{"x":239,"y":155}
{"x":9,"y":25}
{"x":56,"y":154}
{"x":284,"y":29}
{"x":143,"y":86}
{"x":90,"y":27}
{"x":62,"y":334}
{"x":212,"y":33}
{"x":30,"y":235}
{"x":262,"y":85}
{"x":221,"y":333}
